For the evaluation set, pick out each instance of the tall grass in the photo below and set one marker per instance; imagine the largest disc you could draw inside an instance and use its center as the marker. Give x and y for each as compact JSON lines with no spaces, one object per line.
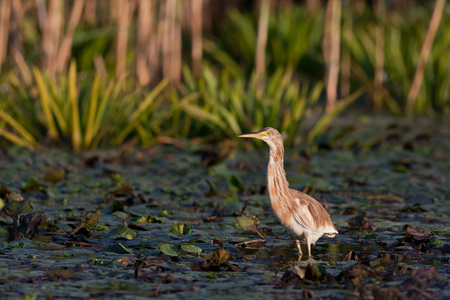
{"x":404,"y":35}
{"x":233,"y":104}
{"x":254,"y":67}
{"x":82,"y":112}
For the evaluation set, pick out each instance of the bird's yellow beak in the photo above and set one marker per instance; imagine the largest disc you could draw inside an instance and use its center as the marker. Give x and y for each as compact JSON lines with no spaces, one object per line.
{"x":255,"y":135}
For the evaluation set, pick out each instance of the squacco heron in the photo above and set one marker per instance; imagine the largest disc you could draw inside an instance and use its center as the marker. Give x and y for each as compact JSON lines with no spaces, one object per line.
{"x":300,"y":213}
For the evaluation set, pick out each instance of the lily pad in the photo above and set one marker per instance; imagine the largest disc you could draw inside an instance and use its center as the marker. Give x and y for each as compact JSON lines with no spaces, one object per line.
{"x":181,"y":228}
{"x":125,"y":232}
{"x":169,"y":249}
{"x":191,"y":248}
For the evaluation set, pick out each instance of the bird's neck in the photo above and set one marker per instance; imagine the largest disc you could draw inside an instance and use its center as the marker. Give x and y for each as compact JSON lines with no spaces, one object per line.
{"x":277,"y":184}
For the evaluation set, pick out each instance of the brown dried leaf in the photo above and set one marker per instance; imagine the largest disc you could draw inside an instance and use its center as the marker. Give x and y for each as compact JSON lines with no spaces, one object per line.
{"x":426,"y":273}
{"x":219,"y":243}
{"x":416,"y":232}
{"x":220,"y":257}
{"x":390,"y":293}
{"x":348,"y":211}
{"x":361,"y":221}
{"x":351,"y":255}
{"x":386,"y":198}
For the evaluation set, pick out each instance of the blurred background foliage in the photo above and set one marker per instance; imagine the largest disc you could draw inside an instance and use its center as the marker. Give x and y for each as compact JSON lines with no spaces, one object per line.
{"x":106,"y":72}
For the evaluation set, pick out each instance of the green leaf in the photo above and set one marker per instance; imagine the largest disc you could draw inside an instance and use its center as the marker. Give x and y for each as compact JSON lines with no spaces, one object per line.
{"x":249,"y":223}
{"x":125,"y":232}
{"x":46,"y":103}
{"x":169,"y":249}
{"x":73,"y":102}
{"x":141,"y":111}
{"x":191,"y":248}
{"x":92,"y":112}
{"x":117,"y":206}
{"x":327,"y":118}
{"x":212,"y":189}
{"x":55,"y":176}
{"x":32,"y":185}
{"x":181,"y":228}
{"x":149,"y":219}
{"x":100,"y":227}
{"x":236,"y":184}
{"x":13,"y":208}
{"x":126,"y":217}
{"x":27,"y":139}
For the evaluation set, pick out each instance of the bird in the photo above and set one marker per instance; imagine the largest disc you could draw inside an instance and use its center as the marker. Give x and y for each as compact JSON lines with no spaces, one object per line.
{"x":300,"y":213}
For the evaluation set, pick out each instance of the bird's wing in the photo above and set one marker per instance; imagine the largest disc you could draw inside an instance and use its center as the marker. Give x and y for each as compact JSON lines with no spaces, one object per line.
{"x":309,"y":213}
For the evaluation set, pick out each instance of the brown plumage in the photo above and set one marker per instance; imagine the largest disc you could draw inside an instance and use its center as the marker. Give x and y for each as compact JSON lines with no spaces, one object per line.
{"x":300,"y":213}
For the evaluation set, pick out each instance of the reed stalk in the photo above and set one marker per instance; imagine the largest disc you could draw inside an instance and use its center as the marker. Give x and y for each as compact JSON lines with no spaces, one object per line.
{"x":424,"y":54}
{"x":331,"y":46}
{"x":380,"y":12}
{"x":260,"y":62}
{"x":123,"y":7}
{"x":51,"y":35}
{"x":346,"y":63}
{"x":144,"y":29}
{"x":66,"y":44}
{"x":197,"y":36}
{"x":5,"y":12}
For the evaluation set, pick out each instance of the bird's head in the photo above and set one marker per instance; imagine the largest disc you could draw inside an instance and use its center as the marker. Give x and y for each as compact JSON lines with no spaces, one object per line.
{"x":269,"y":135}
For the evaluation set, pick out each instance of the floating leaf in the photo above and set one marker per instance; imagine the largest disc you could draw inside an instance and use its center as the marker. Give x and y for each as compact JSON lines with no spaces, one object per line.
{"x":32,"y":185}
{"x":117,"y":206}
{"x":59,"y":273}
{"x":416,"y":232}
{"x":117,"y":248}
{"x":191,"y":248}
{"x":125,"y":232}
{"x":87,"y":223}
{"x":100,"y":227}
{"x":382,"y":260}
{"x":149,"y":219}
{"x":123,"y":189}
{"x":169,"y":249}
{"x":126,"y":217}
{"x":220,"y":257}
{"x":42,"y":238}
{"x":55,"y":176}
{"x":361,"y":221}
{"x":117,"y":177}
{"x":181,"y":228}
{"x":236,"y":184}
{"x":165,"y":213}
{"x":249,"y":223}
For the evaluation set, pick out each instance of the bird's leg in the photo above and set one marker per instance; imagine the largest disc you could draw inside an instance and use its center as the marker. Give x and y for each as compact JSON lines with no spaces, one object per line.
{"x":308,"y":243}
{"x":297,"y":242}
